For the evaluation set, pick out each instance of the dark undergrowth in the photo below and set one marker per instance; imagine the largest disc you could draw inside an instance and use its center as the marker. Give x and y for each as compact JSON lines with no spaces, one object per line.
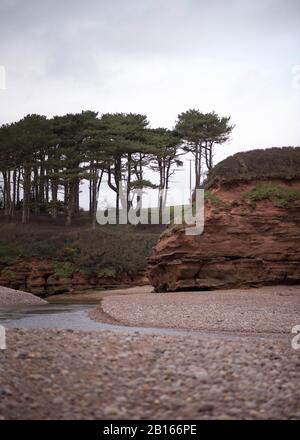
{"x":107,"y":251}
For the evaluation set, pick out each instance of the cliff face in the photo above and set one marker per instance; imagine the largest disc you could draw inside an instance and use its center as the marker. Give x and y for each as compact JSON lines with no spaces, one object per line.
{"x":41,"y":278}
{"x":251,"y":237}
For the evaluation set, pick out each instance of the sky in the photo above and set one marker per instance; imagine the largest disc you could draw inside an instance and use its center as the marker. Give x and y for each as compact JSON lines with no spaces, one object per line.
{"x":158,"y":58}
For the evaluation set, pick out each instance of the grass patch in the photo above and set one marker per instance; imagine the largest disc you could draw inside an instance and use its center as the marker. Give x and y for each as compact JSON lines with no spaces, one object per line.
{"x":215,"y":200}
{"x":280,"y":196}
{"x":63,"y":270}
{"x":8,"y":254}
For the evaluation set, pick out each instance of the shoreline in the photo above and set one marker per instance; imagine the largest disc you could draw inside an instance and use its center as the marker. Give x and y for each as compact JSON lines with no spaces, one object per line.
{"x":269,"y":310}
{"x":96,"y":295}
{"x":108,"y":374}
{"x":12,"y":297}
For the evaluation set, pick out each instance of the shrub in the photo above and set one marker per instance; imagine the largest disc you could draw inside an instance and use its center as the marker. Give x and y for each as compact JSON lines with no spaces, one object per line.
{"x":282,"y":163}
{"x":63,"y":270}
{"x":8,"y":253}
{"x":208,"y":195}
{"x":121,"y":248}
{"x":106,"y":272}
{"x":279,"y":195}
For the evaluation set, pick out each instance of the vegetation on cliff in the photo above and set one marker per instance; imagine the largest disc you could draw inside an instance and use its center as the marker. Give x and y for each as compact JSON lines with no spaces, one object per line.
{"x":272,"y":163}
{"x":279,"y":195}
{"x":246,"y":241}
{"x":110,"y":250}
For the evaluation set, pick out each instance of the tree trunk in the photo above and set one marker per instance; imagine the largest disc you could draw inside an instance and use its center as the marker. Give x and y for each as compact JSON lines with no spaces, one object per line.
{"x":70,"y":205}
{"x":117,"y":176}
{"x":54,"y":191}
{"x":18,"y":186}
{"x":26,"y":193}
{"x":42,"y":184}
{"x":128,"y":201}
{"x":95,"y":192}
{"x":75,"y":186}
{"x":36,"y":188}
{"x":198,"y":158}
{"x":14,"y":192}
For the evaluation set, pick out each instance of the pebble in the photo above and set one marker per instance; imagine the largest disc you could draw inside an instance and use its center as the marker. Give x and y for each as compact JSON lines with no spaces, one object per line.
{"x":161,"y":376}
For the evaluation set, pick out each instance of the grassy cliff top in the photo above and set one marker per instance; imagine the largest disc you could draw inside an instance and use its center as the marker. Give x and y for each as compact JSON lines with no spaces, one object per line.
{"x":276,"y":163}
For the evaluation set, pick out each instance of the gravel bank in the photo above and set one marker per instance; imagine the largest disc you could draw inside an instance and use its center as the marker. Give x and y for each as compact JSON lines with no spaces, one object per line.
{"x":95,"y":296}
{"x":51,"y":374}
{"x":11,"y":297}
{"x":264,"y":310}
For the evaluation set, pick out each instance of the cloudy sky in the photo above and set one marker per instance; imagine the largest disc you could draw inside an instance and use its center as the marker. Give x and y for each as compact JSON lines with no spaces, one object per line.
{"x":157,"y":57}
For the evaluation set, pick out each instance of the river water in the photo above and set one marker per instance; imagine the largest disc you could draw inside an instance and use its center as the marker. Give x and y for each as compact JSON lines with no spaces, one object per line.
{"x":75,"y":317}
{"x":68,"y":317}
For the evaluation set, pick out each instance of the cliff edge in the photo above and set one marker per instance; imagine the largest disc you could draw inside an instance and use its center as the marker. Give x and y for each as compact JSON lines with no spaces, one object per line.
{"x":252,"y":228}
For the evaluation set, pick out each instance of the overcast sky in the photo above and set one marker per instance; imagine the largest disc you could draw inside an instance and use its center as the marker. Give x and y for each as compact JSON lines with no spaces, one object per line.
{"x":157,"y":57}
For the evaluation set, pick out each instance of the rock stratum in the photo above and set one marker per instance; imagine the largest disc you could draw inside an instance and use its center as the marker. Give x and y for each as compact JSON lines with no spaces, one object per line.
{"x":40,"y":277}
{"x":251,"y":232}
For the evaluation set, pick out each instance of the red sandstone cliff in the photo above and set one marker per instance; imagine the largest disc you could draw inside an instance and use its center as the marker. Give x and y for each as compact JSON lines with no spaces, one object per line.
{"x":245,"y":242}
{"x":38,"y":276}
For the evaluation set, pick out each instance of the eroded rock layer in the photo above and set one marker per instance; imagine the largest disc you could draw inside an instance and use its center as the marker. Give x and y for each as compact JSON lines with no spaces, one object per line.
{"x":42,"y":277}
{"x":251,"y":237}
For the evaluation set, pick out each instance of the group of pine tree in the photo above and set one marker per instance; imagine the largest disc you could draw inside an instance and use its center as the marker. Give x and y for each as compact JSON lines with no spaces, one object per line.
{"x":43,"y":161}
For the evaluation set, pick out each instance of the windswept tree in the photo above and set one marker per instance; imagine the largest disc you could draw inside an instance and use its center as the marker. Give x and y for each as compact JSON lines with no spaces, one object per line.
{"x":30,"y":139}
{"x":7,"y":167}
{"x":96,"y":162}
{"x":200,"y":132}
{"x":71,"y":138}
{"x":164,"y":159}
{"x":44,"y":161}
{"x":125,"y":144}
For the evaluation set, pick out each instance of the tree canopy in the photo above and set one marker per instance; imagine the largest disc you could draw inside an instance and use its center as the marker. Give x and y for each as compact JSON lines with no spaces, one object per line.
{"x":200,"y":132}
{"x":43,"y":161}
